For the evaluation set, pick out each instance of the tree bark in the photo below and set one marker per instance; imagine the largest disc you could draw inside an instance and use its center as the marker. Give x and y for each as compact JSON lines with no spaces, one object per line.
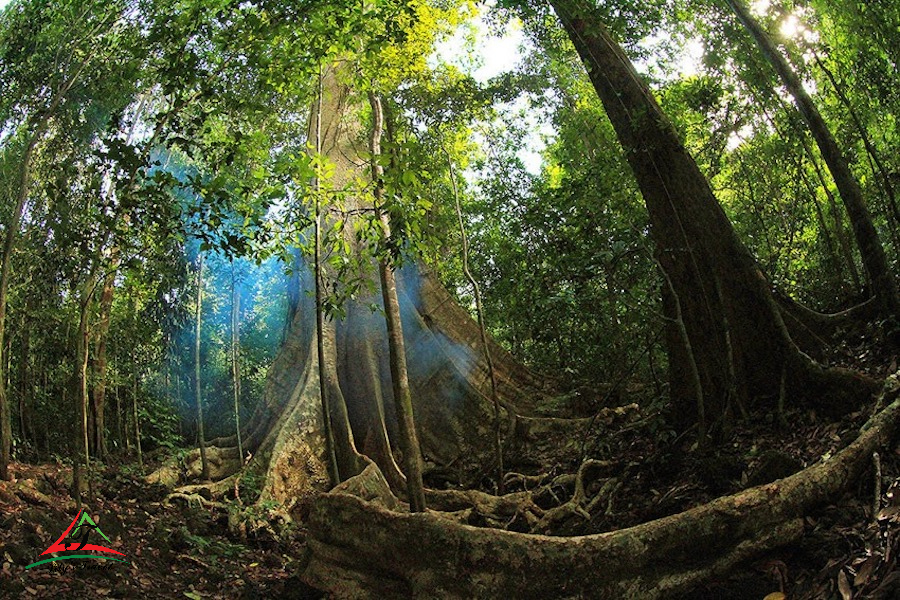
{"x":120,"y":439}
{"x":25,"y":385}
{"x":100,"y":366}
{"x":135,"y":415}
{"x":236,"y":357}
{"x":198,"y":397}
{"x":737,"y":337}
{"x":409,"y":441}
{"x":884,"y":286}
{"x":330,"y":442}
{"x":79,"y":381}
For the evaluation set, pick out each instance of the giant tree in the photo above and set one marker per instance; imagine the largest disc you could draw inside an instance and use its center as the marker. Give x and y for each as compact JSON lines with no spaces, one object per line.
{"x":727,"y":343}
{"x":719,"y":307}
{"x":448,"y":376}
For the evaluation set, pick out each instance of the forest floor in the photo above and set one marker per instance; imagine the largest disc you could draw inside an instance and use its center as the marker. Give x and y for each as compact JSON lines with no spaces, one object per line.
{"x":175,"y":550}
{"x":180,"y":551}
{"x":850,"y":548}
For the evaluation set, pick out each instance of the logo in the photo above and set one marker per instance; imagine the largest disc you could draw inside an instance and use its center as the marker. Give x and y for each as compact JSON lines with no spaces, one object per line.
{"x":80,"y":530}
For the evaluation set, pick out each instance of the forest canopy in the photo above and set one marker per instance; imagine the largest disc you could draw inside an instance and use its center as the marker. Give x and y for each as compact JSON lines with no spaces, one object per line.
{"x":435,"y":254}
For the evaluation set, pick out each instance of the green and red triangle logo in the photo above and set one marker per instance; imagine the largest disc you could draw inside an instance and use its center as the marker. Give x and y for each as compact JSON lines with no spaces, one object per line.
{"x":80,"y":530}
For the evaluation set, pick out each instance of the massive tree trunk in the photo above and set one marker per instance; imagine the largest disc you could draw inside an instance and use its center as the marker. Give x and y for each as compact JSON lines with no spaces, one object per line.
{"x":449,"y":381}
{"x":723,"y":318}
{"x":331,"y":448}
{"x":884,"y":286}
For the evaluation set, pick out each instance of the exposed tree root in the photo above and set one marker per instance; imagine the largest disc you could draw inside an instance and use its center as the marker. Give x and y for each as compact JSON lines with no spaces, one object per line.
{"x":189,"y":499}
{"x":581,"y":503}
{"x":362,"y":549}
{"x":825,"y":323}
{"x":25,"y":490}
{"x":516,"y":510}
{"x":223,"y":463}
{"x":213,"y":489}
{"x":525,"y":481}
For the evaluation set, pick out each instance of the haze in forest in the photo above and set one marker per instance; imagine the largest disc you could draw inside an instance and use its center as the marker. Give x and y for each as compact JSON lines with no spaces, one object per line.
{"x":336,"y":299}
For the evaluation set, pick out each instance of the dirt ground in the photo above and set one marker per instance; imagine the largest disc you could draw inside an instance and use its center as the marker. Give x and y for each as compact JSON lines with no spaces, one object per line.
{"x":173,"y":551}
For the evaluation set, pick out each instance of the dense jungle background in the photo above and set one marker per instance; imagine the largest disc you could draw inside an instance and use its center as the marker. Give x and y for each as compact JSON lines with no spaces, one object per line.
{"x":445,"y":298}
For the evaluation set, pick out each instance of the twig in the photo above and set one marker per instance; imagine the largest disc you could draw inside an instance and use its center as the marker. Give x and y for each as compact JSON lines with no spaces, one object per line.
{"x":876,"y":505}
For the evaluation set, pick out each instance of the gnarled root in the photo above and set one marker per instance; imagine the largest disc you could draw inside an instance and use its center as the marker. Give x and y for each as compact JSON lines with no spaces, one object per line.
{"x":494,"y":511}
{"x":213,"y":489}
{"x":361,"y":549}
{"x":581,"y":503}
{"x":189,"y":499}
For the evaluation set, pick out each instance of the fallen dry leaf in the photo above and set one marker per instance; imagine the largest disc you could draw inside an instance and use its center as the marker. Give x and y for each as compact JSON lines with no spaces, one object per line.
{"x":865,"y":571}
{"x":844,"y":586}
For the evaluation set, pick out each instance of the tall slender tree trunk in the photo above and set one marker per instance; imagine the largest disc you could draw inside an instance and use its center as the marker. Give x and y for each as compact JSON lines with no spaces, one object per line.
{"x":482,"y":329}
{"x":126,"y":428}
{"x":836,"y":274}
{"x":875,"y":163}
{"x":25,"y":385}
{"x":119,"y":437}
{"x":840,"y":227}
{"x":79,"y":380}
{"x":737,"y":338}
{"x":100,"y":366}
{"x":836,"y":214}
{"x":236,"y":357}
{"x":45,"y":391}
{"x":198,"y":397}
{"x":9,"y":245}
{"x":178,"y":398}
{"x":409,"y":441}
{"x":135,"y":379}
{"x":884,"y":286}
